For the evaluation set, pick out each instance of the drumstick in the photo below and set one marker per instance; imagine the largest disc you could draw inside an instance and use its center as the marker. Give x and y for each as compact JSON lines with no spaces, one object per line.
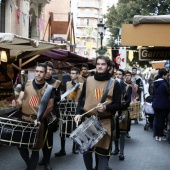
{"x":93,"y":109}
{"x":13,"y":113}
{"x":88,"y":112}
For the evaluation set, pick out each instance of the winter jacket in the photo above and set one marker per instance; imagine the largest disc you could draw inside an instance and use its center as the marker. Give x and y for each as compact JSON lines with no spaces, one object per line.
{"x":161,"y":95}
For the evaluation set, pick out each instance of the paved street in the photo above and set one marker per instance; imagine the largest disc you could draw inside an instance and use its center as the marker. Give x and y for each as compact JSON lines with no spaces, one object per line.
{"x":142,"y":152}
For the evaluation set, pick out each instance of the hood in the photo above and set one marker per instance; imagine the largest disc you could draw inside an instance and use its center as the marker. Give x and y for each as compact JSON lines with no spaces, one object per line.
{"x":158,"y":82}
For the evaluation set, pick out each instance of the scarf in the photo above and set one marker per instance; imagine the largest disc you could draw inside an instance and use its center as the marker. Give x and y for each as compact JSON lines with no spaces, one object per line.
{"x":102,"y":77}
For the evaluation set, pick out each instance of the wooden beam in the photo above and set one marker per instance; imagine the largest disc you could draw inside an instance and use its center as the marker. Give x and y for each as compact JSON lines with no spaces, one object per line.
{"x":31,"y":59}
{"x":16,"y":67}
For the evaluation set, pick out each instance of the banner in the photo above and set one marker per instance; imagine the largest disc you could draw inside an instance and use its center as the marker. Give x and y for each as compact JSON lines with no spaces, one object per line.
{"x":119,"y":57}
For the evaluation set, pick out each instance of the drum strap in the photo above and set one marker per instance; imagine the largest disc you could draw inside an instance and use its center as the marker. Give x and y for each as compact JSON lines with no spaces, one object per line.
{"x":69,"y":91}
{"x":44,"y":102}
{"x":106,"y":90}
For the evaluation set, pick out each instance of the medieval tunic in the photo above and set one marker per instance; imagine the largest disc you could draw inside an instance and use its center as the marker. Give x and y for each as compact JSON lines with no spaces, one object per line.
{"x":30,"y":106}
{"x":68,"y":109}
{"x":82,"y":79}
{"x":48,"y":140}
{"x":124,"y":108}
{"x":93,"y":93}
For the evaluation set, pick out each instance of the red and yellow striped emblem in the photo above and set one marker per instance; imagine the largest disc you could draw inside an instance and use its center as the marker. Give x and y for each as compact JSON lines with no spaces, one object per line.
{"x":34,"y":101}
{"x":98,"y":93}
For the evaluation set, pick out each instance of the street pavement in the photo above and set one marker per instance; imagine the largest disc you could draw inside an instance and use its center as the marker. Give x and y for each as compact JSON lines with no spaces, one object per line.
{"x":142,"y":152}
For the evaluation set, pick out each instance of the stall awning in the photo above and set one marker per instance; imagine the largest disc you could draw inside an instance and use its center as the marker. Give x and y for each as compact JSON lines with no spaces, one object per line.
{"x":62,"y":59}
{"x":18,"y":45}
{"x":157,"y":64}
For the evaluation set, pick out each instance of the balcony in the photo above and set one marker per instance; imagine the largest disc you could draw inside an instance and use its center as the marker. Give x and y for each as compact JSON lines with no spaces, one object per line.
{"x":89,"y":5}
{"x":87,"y":15}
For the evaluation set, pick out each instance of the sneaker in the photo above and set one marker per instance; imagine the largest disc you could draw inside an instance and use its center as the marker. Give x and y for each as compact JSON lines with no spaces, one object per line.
{"x":156,"y":138}
{"x":160,"y":139}
{"x":164,"y":138}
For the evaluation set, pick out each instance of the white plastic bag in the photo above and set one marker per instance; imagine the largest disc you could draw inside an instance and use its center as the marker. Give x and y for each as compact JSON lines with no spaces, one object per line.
{"x":147,"y":108}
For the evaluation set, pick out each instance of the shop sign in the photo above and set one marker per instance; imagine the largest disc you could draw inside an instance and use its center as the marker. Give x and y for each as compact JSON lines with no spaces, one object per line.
{"x":154,"y":53}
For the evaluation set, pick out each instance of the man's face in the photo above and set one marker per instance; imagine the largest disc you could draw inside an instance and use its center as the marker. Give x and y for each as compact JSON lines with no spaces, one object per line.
{"x":39,"y":74}
{"x":49,"y":72}
{"x":134,"y":71}
{"x":74,"y":75}
{"x":119,"y":75}
{"x":128,"y":77}
{"x":84,"y":70}
{"x":101,"y":66}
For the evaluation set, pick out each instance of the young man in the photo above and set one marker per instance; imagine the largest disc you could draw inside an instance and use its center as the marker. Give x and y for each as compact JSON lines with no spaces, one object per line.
{"x":126,"y":99}
{"x":95,"y":83}
{"x":85,"y":73}
{"x":67,"y":113}
{"x":48,"y":145}
{"x":134,"y":95}
{"x":29,"y":99}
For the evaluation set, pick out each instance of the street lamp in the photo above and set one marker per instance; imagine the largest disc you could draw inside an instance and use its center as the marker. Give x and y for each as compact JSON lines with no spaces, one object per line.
{"x":101,"y":31}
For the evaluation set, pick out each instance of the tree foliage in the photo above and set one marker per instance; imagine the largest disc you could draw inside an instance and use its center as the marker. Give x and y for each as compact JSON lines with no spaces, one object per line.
{"x":126,"y":9}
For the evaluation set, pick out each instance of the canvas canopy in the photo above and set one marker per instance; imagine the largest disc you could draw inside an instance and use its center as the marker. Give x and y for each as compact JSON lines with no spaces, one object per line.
{"x":155,"y":19}
{"x":18,"y":45}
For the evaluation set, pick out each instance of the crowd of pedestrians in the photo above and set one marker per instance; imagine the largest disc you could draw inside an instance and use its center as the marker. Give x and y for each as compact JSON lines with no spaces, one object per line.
{"x":114,"y":96}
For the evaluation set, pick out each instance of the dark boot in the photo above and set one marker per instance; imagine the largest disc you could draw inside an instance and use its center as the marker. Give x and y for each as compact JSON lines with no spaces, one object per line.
{"x":47,"y":166}
{"x":41,"y":162}
{"x":60,"y":153}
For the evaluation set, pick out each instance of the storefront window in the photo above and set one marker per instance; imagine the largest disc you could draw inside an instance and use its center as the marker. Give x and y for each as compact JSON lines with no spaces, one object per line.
{"x":2,"y":15}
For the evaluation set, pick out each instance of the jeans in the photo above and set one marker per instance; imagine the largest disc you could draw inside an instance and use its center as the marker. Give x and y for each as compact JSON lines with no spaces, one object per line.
{"x":159,"y":121}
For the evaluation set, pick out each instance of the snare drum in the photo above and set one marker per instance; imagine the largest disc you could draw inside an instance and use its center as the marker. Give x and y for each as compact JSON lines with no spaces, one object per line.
{"x":67,"y":113}
{"x":88,"y":134}
{"x":14,"y":132}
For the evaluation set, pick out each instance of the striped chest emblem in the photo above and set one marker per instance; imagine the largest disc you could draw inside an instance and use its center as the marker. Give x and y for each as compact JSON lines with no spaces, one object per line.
{"x":98,"y":93}
{"x":34,"y":101}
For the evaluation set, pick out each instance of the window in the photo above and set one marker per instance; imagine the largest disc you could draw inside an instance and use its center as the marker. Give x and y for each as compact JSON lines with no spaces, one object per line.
{"x":2,"y":16}
{"x":86,"y":21}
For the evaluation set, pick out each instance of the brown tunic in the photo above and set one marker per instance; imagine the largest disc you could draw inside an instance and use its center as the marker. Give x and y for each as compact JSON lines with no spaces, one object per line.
{"x":76,"y":93}
{"x":94,"y":93}
{"x":30,"y":106}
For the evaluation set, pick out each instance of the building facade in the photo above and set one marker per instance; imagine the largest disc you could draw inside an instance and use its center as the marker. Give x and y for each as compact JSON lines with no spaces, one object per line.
{"x":22,"y":17}
{"x":87,"y":14}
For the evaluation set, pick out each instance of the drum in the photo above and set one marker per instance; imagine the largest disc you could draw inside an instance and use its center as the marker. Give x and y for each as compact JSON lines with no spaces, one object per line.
{"x":134,"y":110}
{"x":89,"y":133}
{"x":67,"y":111}
{"x":67,"y":106}
{"x":14,"y":132}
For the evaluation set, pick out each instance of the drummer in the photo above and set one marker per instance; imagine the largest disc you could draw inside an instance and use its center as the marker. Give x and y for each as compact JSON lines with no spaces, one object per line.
{"x":48,"y":143}
{"x":85,"y":73}
{"x":126,"y":99}
{"x":29,"y":99}
{"x":92,"y":93}
{"x":65,"y":130}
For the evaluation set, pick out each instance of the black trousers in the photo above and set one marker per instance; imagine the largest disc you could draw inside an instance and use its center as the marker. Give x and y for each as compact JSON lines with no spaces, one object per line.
{"x":101,"y":161}
{"x":48,"y":145}
{"x":32,"y":161}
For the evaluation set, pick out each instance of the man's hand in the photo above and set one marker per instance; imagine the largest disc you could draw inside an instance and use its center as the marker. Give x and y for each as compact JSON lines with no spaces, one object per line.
{"x":77,"y":119}
{"x":15,"y":103}
{"x":101,"y":107}
{"x":36,"y":123}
